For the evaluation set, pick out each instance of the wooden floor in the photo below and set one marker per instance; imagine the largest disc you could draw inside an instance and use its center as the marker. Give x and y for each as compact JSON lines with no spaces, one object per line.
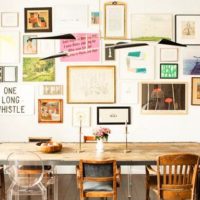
{"x":68,"y":189}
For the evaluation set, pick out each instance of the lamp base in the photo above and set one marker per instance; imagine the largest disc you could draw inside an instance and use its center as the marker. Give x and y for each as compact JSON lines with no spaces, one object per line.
{"x":127,"y":151}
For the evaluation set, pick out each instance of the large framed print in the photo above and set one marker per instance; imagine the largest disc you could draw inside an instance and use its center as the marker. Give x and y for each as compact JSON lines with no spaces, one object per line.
{"x":50,"y":110}
{"x":115,"y":17}
{"x":195,"y":91}
{"x":187,"y":29}
{"x":91,"y":84}
{"x":114,"y":115}
{"x":164,"y":98}
{"x":38,"y":19}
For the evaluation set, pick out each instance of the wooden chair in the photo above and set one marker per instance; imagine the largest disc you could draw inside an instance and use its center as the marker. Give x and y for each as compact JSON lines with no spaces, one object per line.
{"x":2,"y":181}
{"x":89,"y":138}
{"x":175,"y":177}
{"x":98,"y":178}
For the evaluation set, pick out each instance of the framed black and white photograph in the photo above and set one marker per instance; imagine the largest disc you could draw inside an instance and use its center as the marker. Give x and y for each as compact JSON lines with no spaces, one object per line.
{"x":114,"y":115}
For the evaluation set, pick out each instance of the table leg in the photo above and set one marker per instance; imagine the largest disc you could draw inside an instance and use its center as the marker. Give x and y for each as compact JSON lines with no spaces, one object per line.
{"x":129,"y":183}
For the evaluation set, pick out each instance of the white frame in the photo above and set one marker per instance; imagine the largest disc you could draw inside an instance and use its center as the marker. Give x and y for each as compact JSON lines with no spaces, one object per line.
{"x":10,"y":73}
{"x":169,"y":54}
{"x":9,"y":19}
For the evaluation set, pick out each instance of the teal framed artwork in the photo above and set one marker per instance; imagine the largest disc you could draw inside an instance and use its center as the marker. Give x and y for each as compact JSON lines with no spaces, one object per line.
{"x":168,"y":71}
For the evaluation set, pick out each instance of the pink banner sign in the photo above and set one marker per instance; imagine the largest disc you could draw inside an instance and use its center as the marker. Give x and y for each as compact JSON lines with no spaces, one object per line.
{"x":85,"y":47}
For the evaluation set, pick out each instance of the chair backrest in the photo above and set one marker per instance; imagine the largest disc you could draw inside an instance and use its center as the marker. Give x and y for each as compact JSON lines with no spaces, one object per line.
{"x":88,"y":138}
{"x":177,"y":176}
{"x":98,"y":171}
{"x":25,"y":168}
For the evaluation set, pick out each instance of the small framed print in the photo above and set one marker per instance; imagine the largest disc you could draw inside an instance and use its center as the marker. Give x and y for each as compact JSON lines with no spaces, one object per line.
{"x":38,"y":19}
{"x":8,"y":74}
{"x":95,"y":17}
{"x":109,"y":52}
{"x":168,"y":71}
{"x":169,"y":54}
{"x":81,"y":116}
{"x":50,"y":110}
{"x":51,"y":90}
{"x":187,"y":29}
{"x":29,"y":45}
{"x":115,"y":20}
{"x":195,"y":91}
{"x":114,"y":115}
{"x":9,"y":19}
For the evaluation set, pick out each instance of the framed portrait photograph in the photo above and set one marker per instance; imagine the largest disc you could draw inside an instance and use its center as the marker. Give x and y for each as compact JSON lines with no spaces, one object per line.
{"x":163,"y":98}
{"x":50,"y":110}
{"x":9,"y":19}
{"x":91,"y":84}
{"x":151,"y":27}
{"x":29,"y":45}
{"x":81,"y":116}
{"x":195,"y":91}
{"x":114,"y":115}
{"x":115,"y":16}
{"x":168,"y":71}
{"x":187,"y":29}
{"x":169,"y":54}
{"x":38,"y":19}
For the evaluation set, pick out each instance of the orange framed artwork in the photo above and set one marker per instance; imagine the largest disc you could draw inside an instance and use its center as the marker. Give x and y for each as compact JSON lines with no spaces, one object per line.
{"x":50,"y":110}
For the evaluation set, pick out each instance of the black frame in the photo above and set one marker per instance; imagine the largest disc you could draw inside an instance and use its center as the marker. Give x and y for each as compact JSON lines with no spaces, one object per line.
{"x":168,"y":64}
{"x":114,"y":107}
{"x":49,"y":10}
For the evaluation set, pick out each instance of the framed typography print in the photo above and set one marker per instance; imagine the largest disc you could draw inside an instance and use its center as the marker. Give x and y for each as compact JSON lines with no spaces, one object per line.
{"x":164,"y":98}
{"x":50,"y":110}
{"x":114,"y":115}
{"x":187,"y":29}
{"x":195,"y":91}
{"x":91,"y":84}
{"x":168,"y":71}
{"x":115,"y":20}
{"x":38,"y":19}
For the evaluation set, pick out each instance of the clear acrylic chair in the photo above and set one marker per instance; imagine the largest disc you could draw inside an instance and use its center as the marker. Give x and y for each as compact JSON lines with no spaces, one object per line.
{"x":25,"y":170}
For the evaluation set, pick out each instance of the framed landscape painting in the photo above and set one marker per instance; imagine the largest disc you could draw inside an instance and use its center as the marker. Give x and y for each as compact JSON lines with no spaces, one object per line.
{"x":164,"y":98}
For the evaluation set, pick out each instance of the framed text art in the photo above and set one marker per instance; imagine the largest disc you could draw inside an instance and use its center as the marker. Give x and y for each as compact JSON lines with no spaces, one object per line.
{"x":195,"y":91}
{"x":38,"y":19}
{"x":91,"y":84}
{"x":168,"y":71}
{"x":50,"y":110}
{"x":164,"y":98}
{"x":115,"y":20}
{"x":187,"y":29}
{"x":114,"y":115}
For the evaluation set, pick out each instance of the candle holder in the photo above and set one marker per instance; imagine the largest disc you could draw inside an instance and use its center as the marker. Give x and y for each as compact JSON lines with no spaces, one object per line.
{"x":126,"y":150}
{"x":80,"y":132}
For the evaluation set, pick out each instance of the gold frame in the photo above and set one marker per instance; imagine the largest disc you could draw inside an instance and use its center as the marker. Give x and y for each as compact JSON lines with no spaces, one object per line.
{"x":60,"y":101}
{"x":96,"y":67}
{"x":195,"y":101}
{"x":116,"y":3}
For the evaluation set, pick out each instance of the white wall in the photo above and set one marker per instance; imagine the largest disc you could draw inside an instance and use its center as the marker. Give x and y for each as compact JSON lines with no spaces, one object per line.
{"x":144,"y":127}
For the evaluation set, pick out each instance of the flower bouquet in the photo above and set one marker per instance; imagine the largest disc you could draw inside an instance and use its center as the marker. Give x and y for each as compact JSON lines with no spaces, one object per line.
{"x":101,"y":133}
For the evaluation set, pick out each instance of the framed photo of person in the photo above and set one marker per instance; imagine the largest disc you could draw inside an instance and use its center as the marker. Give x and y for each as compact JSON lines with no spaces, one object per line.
{"x":38,"y":19}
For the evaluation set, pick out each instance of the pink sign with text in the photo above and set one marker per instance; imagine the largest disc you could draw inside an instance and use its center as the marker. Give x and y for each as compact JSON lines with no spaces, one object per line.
{"x":86,"y":47}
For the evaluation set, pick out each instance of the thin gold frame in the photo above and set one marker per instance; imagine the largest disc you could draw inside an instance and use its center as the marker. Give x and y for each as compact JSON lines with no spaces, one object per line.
{"x":194,"y":101}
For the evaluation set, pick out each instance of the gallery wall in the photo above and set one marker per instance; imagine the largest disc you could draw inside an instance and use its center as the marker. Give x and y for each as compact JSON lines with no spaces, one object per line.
{"x":144,"y":127}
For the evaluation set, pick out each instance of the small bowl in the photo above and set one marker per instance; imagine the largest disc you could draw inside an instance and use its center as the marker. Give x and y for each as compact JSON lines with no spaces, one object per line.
{"x":49,"y":147}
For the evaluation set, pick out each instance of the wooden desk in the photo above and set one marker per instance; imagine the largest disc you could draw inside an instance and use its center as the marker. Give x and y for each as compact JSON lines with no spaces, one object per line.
{"x":141,"y":153}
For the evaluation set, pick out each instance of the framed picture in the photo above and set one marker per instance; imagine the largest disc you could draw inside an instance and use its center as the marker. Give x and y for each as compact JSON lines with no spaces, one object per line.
{"x":115,"y":16}
{"x":91,"y":84}
{"x":51,"y":90}
{"x":168,"y":71}
{"x":1,"y":74}
{"x":151,"y":27}
{"x":81,"y":116}
{"x":114,"y":115}
{"x":169,"y":54}
{"x":195,"y":91}
{"x":95,"y":18}
{"x":36,"y":70}
{"x":191,"y":63}
{"x":10,"y":74}
{"x":164,"y":98}
{"x":187,"y":29}
{"x":50,"y":110}
{"x":136,"y":63}
{"x":9,"y":19}
{"x":29,"y":45}
{"x":38,"y":19}
{"x":11,"y":44}
{"x":109,"y":52}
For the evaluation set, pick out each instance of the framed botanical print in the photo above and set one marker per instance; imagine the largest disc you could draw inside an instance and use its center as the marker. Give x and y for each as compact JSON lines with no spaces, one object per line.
{"x":115,"y":20}
{"x":195,"y":91}
{"x":38,"y":19}
{"x":50,"y":110}
{"x":91,"y":84}
{"x":114,"y":115}
{"x":187,"y":29}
